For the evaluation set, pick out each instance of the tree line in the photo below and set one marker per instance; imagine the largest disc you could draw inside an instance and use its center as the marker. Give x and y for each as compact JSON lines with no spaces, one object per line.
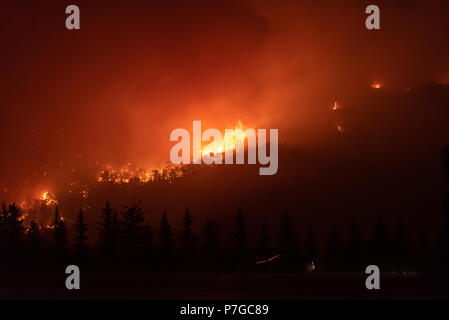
{"x":124,"y":242}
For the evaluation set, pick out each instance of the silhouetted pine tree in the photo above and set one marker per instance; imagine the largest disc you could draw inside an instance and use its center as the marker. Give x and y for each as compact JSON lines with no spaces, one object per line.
{"x":311,"y":253}
{"x":34,"y":243}
{"x":381,"y":246}
{"x":106,"y":241}
{"x":187,"y":241}
{"x":149,"y":249}
{"x":81,"y":244}
{"x":334,"y":253}
{"x":116,"y":227}
{"x":166,"y":245}
{"x":59,"y":233}
{"x":211,"y":246}
{"x":354,"y":253}
{"x":12,"y":233}
{"x":240,"y":249}
{"x":289,"y":246}
{"x":132,"y":231}
{"x":263,"y":250}
{"x":400,"y":256}
{"x":13,"y":228}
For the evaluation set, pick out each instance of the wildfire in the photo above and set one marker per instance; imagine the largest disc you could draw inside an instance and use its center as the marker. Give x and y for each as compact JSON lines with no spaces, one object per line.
{"x":48,"y":199}
{"x":127,"y":173}
{"x":228,"y":143}
{"x":124,"y":174}
{"x":335,"y":106}
{"x":42,"y":205}
{"x":340,"y":128}
{"x":376,"y":85}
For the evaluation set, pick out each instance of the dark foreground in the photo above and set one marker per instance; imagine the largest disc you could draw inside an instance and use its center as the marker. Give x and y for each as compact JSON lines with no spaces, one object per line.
{"x":179,"y":286}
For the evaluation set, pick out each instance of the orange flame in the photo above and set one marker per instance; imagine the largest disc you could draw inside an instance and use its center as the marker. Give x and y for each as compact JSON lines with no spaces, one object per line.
{"x":48,"y":199}
{"x":335,"y":106}
{"x":229,"y":142}
{"x":127,"y":173}
{"x":340,"y":128}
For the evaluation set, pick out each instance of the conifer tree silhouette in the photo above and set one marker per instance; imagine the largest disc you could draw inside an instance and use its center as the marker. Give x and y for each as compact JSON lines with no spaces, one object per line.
{"x":263,"y":242}
{"x":148,"y":246}
{"x":240,"y":249}
{"x":115,"y":234}
{"x":187,"y":241}
{"x":81,"y":244}
{"x":132,"y":231}
{"x":107,"y":232}
{"x":355,"y":251}
{"x":166,"y":245}
{"x":400,"y":256}
{"x":289,"y":246}
{"x":12,"y":232}
{"x":211,"y":246}
{"x":35,"y":243}
{"x":334,"y":254}
{"x":380,"y":243}
{"x":12,"y":224}
{"x":311,"y":246}
{"x":59,"y":233}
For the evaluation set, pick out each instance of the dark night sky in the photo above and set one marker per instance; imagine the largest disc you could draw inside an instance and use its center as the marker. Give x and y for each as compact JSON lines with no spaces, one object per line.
{"x":113,"y":91}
